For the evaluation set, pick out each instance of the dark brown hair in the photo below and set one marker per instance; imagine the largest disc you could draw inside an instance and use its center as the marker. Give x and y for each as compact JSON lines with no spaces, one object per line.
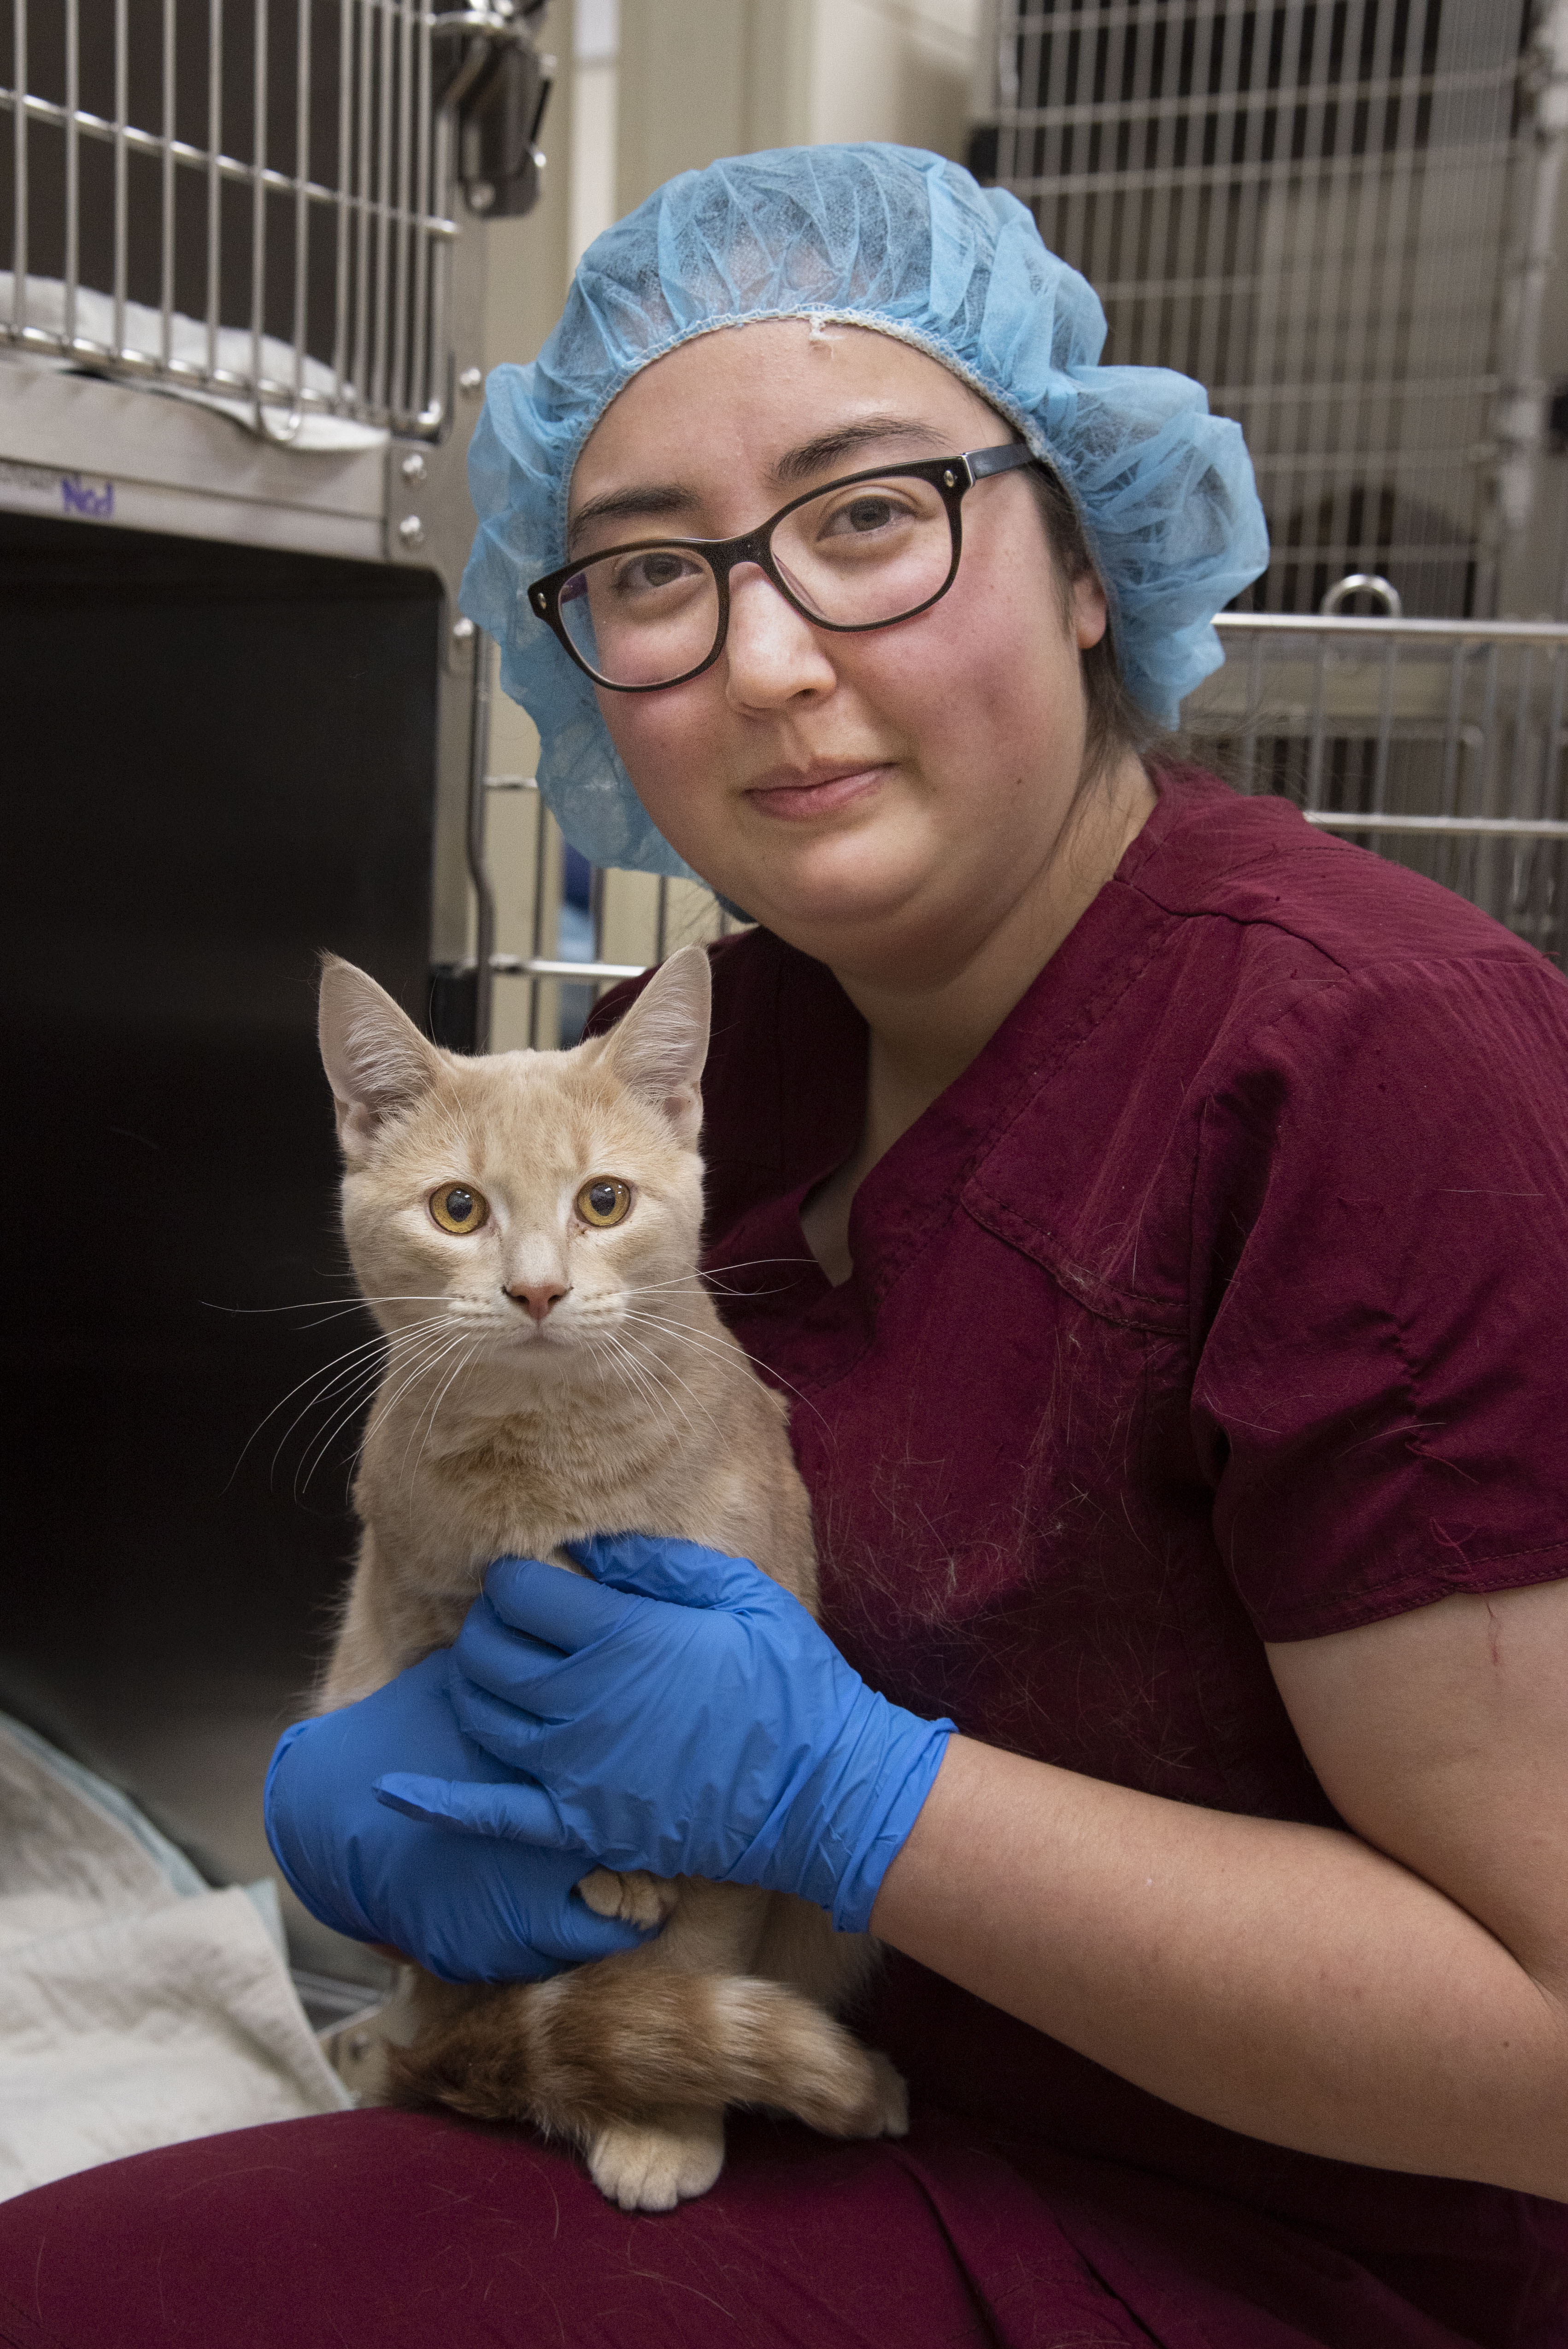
{"x":1114,"y":721}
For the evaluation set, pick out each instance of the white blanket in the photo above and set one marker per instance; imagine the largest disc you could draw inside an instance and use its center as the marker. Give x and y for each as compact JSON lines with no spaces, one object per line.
{"x":315,"y":434}
{"x":137,"y":2007}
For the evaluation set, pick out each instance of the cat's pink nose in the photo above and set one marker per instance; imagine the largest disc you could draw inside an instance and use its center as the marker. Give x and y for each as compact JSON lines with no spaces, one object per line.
{"x":540,"y":1301}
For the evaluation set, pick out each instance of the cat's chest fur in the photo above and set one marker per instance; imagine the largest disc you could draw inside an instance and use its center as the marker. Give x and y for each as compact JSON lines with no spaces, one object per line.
{"x":523,"y":1482}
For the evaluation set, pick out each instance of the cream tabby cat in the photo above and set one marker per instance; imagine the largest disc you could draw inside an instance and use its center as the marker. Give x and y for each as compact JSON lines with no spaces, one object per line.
{"x":526,"y":1227}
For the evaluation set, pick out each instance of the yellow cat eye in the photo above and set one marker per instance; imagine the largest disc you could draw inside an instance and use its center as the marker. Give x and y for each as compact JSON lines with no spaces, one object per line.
{"x":458,"y":1209}
{"x":603,"y":1201}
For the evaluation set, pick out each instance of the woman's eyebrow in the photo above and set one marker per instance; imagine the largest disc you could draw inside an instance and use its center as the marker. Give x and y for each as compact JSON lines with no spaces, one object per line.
{"x":618,"y":505}
{"x":799,"y":464}
{"x":848,"y":439}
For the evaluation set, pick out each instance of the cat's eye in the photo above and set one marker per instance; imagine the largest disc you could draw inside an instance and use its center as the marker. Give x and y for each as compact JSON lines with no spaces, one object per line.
{"x":603,"y":1201}
{"x":458,"y":1209}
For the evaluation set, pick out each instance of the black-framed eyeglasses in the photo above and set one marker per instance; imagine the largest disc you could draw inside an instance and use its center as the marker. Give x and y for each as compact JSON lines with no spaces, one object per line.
{"x":861,"y":553}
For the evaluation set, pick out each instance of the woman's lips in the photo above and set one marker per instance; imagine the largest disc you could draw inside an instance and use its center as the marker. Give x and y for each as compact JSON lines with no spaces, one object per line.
{"x":796,"y":797}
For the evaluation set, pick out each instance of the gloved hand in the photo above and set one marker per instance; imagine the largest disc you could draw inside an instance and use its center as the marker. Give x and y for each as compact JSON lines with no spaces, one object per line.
{"x":466,"y":1910}
{"x":681,"y":1713}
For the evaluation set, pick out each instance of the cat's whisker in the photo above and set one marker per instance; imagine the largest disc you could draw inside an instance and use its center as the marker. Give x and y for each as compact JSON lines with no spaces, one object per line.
{"x":325,"y":1443}
{"x":366,"y":1346}
{"x":357,"y":1373}
{"x":435,"y":1407}
{"x":330,"y":1308}
{"x":430,"y":1370}
{"x":648,"y":1383}
{"x":438,"y":1349}
{"x":341,"y":1410}
{"x":344,"y":1406}
{"x":400,"y":1354}
{"x":627,"y":1366}
{"x":643,"y":1375}
{"x":652,"y":1321}
{"x":699,"y":1340}
{"x":670,"y":1372}
{"x":711,"y":1280}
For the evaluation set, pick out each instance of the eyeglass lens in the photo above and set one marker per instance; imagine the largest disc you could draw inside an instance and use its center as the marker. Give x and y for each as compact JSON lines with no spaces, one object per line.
{"x":860,"y":555}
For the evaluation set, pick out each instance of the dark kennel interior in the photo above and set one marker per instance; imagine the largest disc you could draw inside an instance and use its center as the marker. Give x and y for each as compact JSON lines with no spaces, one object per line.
{"x":218,"y":762}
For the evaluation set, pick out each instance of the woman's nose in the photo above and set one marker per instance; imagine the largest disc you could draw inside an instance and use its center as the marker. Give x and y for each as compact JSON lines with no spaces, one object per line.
{"x":772,"y":654}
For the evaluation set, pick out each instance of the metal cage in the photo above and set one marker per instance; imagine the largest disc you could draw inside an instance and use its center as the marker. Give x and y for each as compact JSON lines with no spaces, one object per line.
{"x":1338,"y":215}
{"x":254,"y":200}
{"x":1438,"y":743}
{"x":270,"y":214}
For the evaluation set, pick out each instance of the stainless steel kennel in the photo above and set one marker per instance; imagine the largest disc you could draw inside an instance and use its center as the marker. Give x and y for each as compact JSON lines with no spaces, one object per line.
{"x":1440,"y":743}
{"x":270,"y":214}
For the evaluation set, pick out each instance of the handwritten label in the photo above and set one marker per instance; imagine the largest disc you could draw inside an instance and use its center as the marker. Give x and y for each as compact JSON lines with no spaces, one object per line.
{"x":80,"y":497}
{"x":95,"y":500}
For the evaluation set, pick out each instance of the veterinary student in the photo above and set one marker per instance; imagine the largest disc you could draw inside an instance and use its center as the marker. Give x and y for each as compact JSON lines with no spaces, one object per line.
{"x":1158,"y":1213}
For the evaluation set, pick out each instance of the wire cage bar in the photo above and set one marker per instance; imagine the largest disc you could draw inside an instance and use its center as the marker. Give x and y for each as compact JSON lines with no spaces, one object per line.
{"x":1438,"y":743}
{"x":247,"y":200}
{"x":1320,"y":209}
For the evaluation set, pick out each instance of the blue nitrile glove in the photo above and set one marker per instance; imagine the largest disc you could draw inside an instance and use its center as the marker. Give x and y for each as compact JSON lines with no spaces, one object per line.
{"x":466,"y":1910}
{"x":683,"y":1715}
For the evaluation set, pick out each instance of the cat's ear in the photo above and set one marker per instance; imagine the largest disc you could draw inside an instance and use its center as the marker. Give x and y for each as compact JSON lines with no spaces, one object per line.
{"x":660,"y":1046}
{"x":377,"y":1062}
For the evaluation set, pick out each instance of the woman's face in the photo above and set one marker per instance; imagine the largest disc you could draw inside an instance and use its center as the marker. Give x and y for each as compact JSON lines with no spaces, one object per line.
{"x":889,"y":795}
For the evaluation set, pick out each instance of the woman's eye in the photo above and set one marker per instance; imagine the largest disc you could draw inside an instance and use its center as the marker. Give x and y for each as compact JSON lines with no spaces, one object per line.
{"x":659,"y":567}
{"x":458,"y":1209}
{"x":861,"y":516}
{"x":605,"y":1201}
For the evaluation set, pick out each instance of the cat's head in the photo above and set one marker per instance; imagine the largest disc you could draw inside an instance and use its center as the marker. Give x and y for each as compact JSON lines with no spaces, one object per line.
{"x":528,"y":1205}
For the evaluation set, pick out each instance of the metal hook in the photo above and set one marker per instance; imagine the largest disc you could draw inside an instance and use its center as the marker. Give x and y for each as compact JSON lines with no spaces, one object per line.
{"x":283,"y":435}
{"x":1363,"y":582}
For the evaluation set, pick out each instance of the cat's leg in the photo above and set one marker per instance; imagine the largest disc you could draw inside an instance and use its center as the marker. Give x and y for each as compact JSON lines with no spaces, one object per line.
{"x":799,"y":1946}
{"x":659,"y":2158}
{"x":629,"y":2037}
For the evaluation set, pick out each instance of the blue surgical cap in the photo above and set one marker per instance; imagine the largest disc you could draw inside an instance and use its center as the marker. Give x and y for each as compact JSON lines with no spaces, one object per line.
{"x":909,"y":244}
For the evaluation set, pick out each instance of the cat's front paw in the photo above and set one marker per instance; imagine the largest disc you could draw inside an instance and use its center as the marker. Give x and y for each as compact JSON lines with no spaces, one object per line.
{"x":893,"y":2094}
{"x":652,"y":2164}
{"x":637,"y":1898}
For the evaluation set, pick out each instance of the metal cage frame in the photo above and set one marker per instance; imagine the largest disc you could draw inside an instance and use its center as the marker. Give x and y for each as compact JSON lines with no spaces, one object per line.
{"x":1338,"y":215}
{"x":360,"y":196}
{"x":1440,"y":743}
{"x":296,"y":269}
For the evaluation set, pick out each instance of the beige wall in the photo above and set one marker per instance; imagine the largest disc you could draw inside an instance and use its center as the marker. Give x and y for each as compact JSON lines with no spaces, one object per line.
{"x":643,"y":92}
{"x":701,"y":78}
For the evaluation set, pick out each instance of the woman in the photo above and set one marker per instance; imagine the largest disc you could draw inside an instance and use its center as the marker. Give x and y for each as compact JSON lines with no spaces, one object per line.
{"x":1158,"y":1210}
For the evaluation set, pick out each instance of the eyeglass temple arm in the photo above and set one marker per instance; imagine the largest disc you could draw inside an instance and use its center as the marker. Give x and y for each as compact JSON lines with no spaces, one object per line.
{"x":982,"y":462}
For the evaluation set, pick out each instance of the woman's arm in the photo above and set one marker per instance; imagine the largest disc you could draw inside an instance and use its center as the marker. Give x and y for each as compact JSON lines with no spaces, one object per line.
{"x":1396,"y":1997}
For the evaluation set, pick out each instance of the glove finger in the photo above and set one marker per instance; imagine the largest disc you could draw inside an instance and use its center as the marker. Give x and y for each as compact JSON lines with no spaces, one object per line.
{"x":506,"y":1662}
{"x":683,"y":1573}
{"x":549,"y":1604}
{"x":502,"y":1729}
{"x":512,"y":1813}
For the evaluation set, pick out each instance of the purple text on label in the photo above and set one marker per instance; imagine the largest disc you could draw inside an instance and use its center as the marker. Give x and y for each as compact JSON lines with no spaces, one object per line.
{"x":79,"y":497}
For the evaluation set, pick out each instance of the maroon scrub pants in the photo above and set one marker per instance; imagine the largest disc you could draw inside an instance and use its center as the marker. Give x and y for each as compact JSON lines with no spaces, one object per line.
{"x":394,"y":2230}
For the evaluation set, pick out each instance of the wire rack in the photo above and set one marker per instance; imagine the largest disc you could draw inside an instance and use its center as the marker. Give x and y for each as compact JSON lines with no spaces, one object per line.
{"x":1315,"y":207}
{"x":1438,"y":743}
{"x":245,"y":199}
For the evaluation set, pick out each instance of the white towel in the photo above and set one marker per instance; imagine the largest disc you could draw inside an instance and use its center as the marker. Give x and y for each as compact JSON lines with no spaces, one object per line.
{"x":137,"y":2008}
{"x":316,"y":434}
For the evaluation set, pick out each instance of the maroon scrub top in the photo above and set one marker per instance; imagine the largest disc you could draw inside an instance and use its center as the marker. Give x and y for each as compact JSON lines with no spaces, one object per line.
{"x":1223,"y":1298}
{"x":1220,"y":1301}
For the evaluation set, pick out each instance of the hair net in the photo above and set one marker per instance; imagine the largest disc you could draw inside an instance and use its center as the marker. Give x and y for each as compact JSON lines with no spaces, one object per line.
{"x":904,"y":241}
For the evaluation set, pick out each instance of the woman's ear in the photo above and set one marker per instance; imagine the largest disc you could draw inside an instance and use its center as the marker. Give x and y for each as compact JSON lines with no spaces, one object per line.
{"x":1091,"y":611}
{"x":659,"y":1047}
{"x":377,"y":1062}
